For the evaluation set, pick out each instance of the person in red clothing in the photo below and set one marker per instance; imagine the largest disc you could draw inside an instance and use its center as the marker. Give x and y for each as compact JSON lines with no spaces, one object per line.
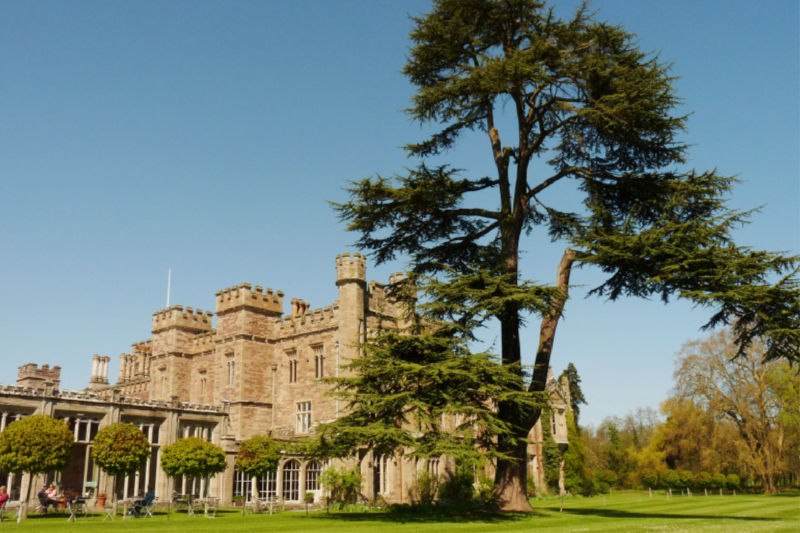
{"x":3,"y":496}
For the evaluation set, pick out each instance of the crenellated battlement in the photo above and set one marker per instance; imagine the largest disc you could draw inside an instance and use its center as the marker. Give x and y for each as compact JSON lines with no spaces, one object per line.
{"x":351,"y":269}
{"x":320,"y":318}
{"x":204,"y":341}
{"x":245,"y":295}
{"x":142,"y":347}
{"x":33,"y":377}
{"x":178,"y":317}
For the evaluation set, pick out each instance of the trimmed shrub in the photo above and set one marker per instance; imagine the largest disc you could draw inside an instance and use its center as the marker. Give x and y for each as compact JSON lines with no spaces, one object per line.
{"x":670,"y":479}
{"x":258,"y":456}
{"x":718,"y":481}
{"x":649,"y":478}
{"x":120,"y":449}
{"x":686,"y":479}
{"x":702,"y":480}
{"x":192,"y":457}
{"x":37,"y":444}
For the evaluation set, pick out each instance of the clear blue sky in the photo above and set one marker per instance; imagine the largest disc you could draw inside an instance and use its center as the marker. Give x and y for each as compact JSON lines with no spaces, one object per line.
{"x":207,"y":137}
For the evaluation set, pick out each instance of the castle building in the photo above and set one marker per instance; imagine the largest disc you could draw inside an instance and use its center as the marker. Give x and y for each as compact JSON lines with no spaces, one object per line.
{"x":257,"y":373}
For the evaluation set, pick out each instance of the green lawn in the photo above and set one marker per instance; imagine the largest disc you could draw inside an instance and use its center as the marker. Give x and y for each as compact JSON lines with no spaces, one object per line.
{"x":622,"y":513}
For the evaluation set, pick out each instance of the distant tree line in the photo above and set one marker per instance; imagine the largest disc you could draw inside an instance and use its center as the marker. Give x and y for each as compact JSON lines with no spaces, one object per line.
{"x":729,"y":423}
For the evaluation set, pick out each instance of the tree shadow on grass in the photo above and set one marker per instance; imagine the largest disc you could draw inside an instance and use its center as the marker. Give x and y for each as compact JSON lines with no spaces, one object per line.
{"x":615,"y":513}
{"x":431,"y":517}
{"x":785,"y":494}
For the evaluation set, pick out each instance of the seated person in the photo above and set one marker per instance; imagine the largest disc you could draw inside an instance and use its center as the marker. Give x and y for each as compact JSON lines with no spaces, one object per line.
{"x":44,"y":499}
{"x":52,"y":492}
{"x":139,"y":504}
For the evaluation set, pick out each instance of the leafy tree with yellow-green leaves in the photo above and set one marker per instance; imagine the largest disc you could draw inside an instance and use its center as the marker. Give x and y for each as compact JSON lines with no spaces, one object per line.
{"x":120,"y":449}
{"x":193,"y":457}
{"x":258,"y":456}
{"x":37,"y":444}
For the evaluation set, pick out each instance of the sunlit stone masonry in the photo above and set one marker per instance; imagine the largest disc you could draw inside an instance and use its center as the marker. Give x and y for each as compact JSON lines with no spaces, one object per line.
{"x":256,"y":373}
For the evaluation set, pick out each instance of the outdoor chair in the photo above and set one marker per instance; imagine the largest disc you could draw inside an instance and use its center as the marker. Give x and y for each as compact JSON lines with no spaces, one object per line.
{"x":252,"y":506}
{"x":85,"y":509}
{"x":193,"y":506}
{"x":148,"y":508}
{"x":109,"y":511}
{"x":141,"y":506}
{"x":211,"y":507}
{"x":272,"y":503}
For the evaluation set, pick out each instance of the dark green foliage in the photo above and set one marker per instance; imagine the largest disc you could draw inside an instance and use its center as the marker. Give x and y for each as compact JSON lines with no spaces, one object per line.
{"x":120,"y":449}
{"x":670,"y":479}
{"x":551,"y":455}
{"x":649,"y":478}
{"x":425,"y":487}
{"x":258,"y":456}
{"x":486,"y":489}
{"x":192,"y":457}
{"x":576,"y":397}
{"x":600,"y":114}
{"x":616,"y":456}
{"x":686,"y":479}
{"x":718,"y":481}
{"x":702,"y":480}
{"x":732,"y":481}
{"x":600,"y":487}
{"x":36,"y":444}
{"x":422,"y":393}
{"x":609,"y":477}
{"x":343,"y":485}
{"x":531,"y":487}
{"x":575,"y":478}
{"x":460,"y":487}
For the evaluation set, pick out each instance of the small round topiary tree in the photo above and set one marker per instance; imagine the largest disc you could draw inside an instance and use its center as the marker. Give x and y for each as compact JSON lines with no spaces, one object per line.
{"x":670,"y":479}
{"x":120,"y":449}
{"x":718,"y":481}
{"x":194,"y":458}
{"x":687,"y":479}
{"x":703,"y":481}
{"x":258,"y":456}
{"x":36,"y":444}
{"x":649,"y":479}
{"x":733,"y":481}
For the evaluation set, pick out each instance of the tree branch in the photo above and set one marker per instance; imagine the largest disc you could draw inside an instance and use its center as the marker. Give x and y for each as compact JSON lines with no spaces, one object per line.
{"x":554,"y":178}
{"x":474,"y":213}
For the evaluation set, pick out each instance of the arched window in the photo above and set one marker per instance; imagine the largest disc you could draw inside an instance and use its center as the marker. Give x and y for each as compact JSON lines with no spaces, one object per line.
{"x":381,"y":470}
{"x":313,"y":470}
{"x":231,"y":369}
{"x":319,"y":362}
{"x":291,"y":481}
{"x":433,"y":466}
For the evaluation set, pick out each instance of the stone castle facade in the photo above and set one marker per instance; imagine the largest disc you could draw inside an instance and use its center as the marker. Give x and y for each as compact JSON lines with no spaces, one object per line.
{"x":256,"y":373}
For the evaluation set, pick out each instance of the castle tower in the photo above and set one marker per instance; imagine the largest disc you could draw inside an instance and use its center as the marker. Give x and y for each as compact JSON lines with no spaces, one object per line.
{"x":43,"y":379}
{"x":351,"y":278}
{"x":167,"y":358}
{"x":246,"y":317}
{"x":246,"y":320}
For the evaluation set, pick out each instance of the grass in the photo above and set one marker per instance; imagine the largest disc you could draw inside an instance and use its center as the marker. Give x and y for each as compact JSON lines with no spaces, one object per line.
{"x":632,"y":512}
